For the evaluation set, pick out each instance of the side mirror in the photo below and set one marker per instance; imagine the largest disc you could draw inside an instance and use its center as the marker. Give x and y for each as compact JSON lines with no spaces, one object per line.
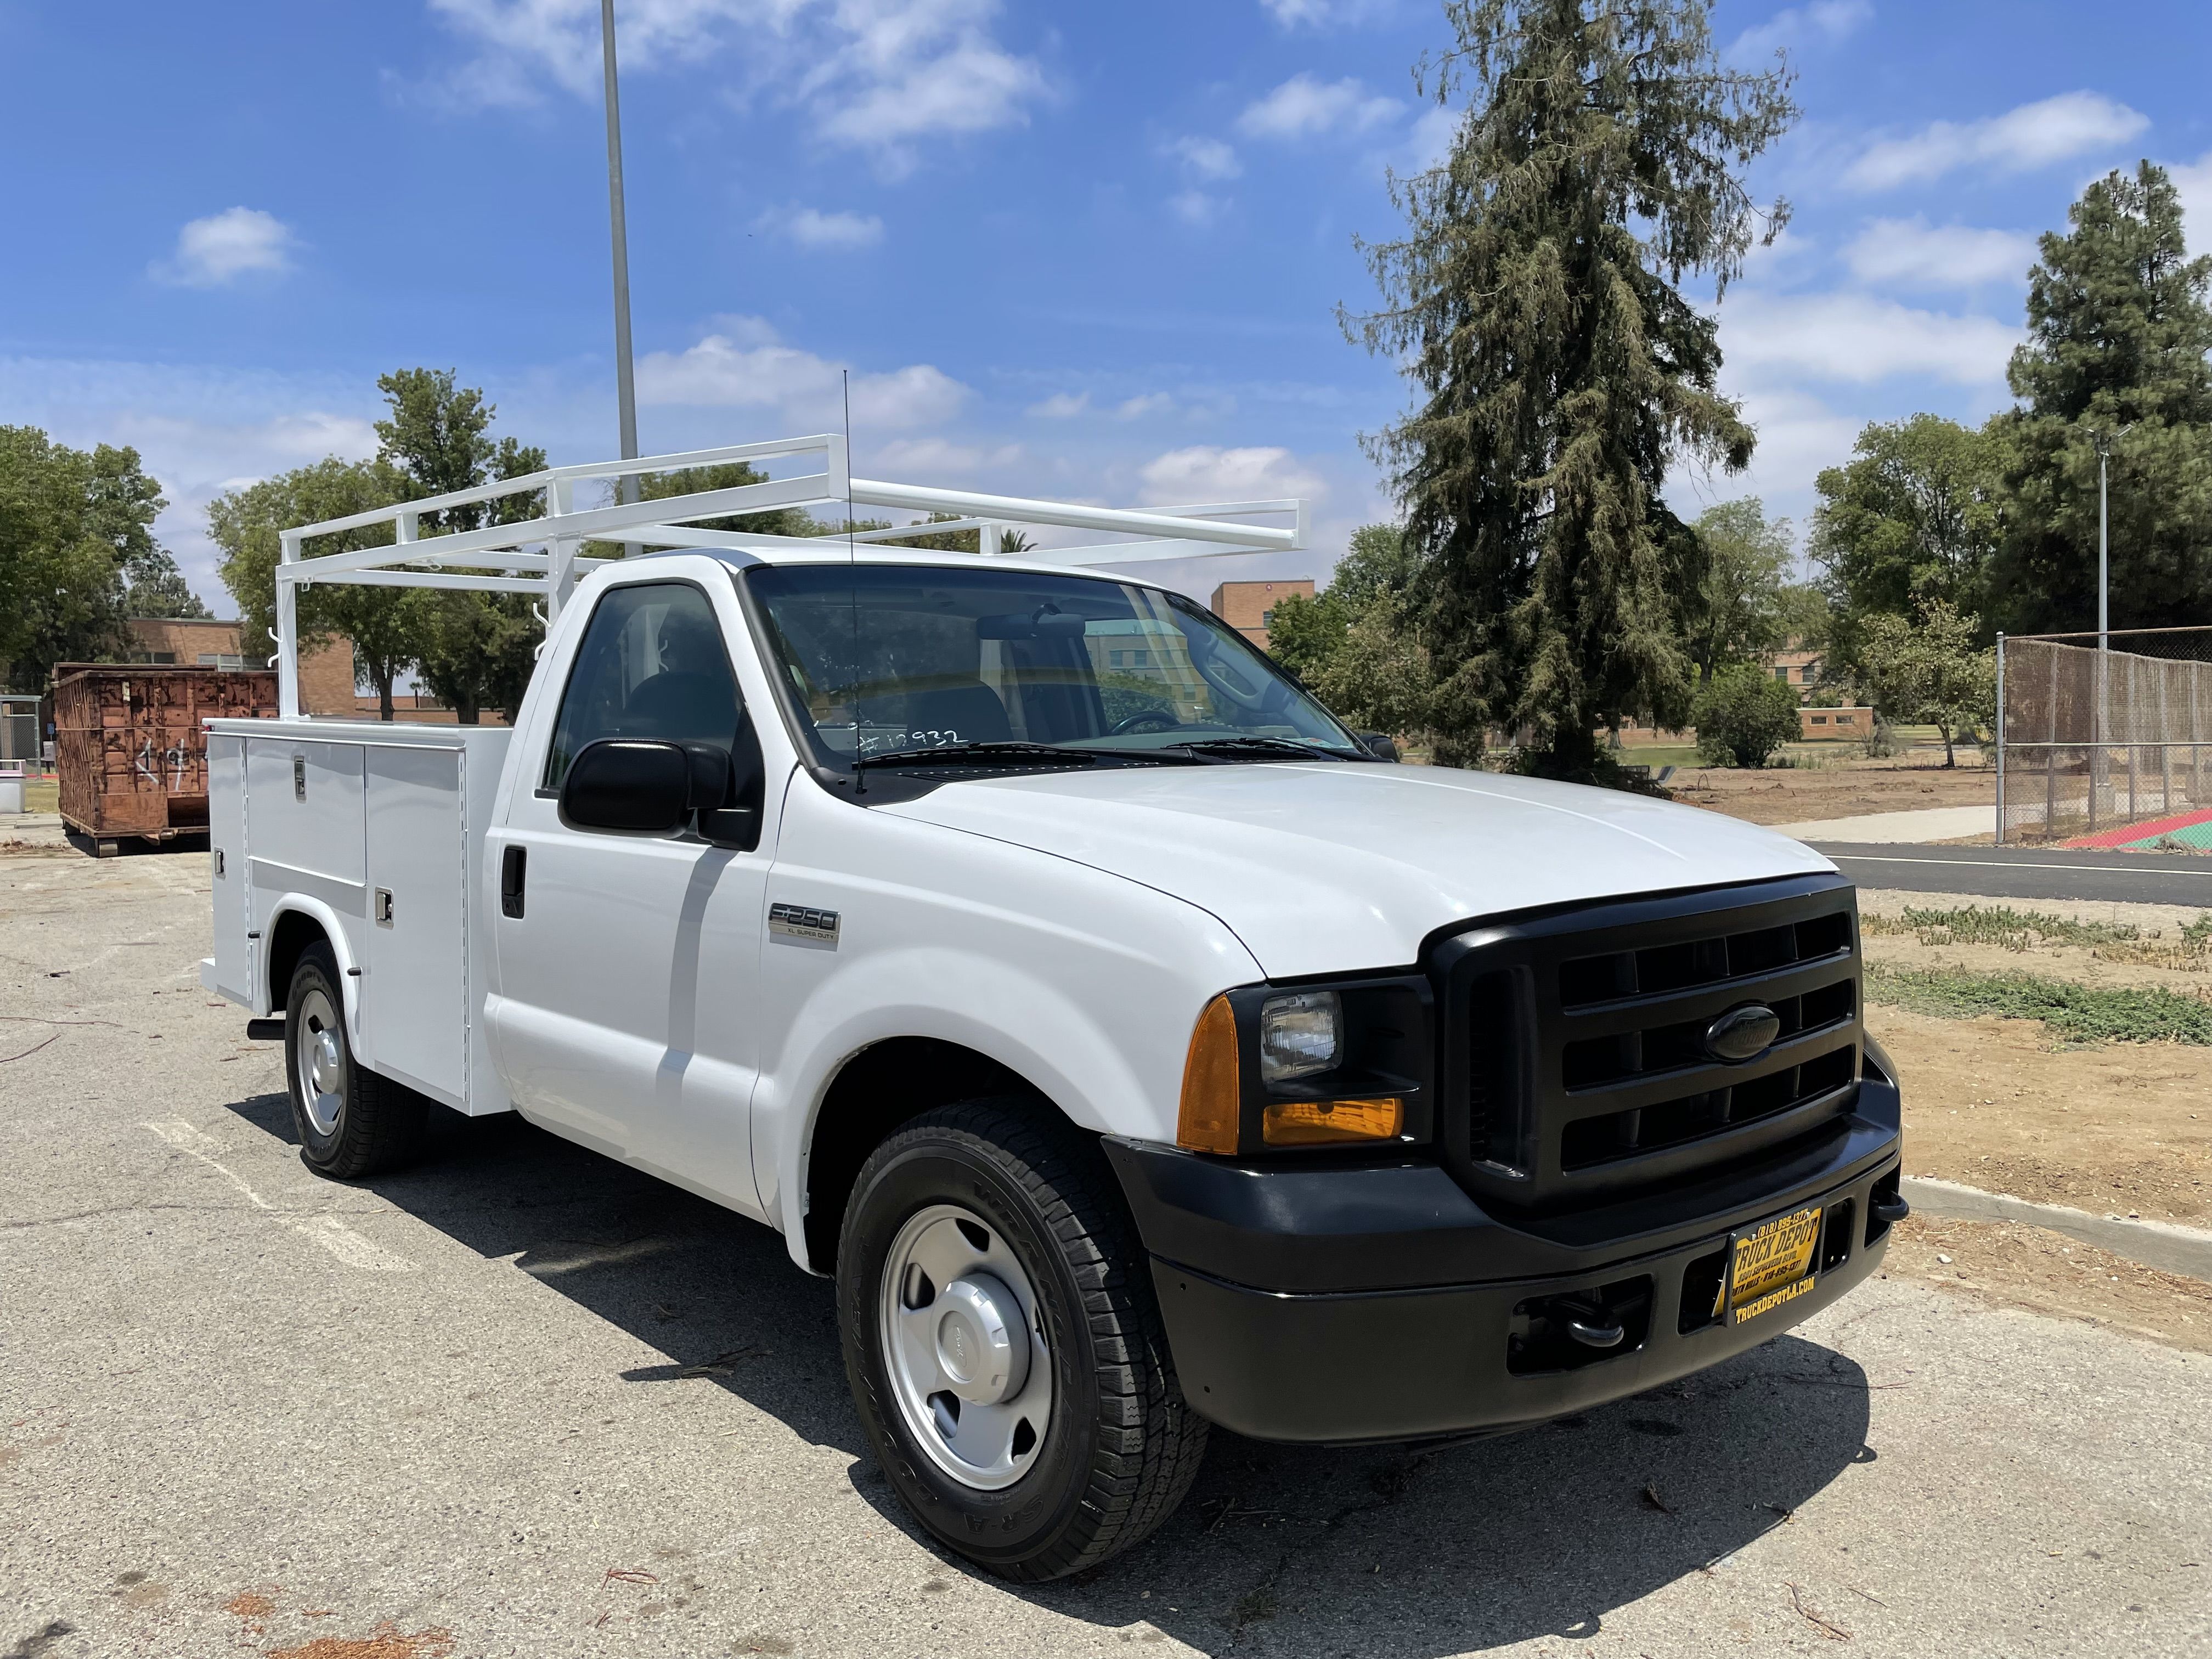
{"x":732,"y":816}
{"x":1381,"y":744}
{"x":628,"y":783}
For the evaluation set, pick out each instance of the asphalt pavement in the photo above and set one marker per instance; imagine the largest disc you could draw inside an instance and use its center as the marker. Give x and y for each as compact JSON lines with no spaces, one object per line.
{"x":2026,"y":872}
{"x":523,"y":1401}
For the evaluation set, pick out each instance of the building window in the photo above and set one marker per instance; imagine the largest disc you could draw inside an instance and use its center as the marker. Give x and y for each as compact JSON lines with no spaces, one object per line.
{"x":1847,"y":719}
{"x":219,"y":660}
{"x":1819,"y":720}
{"x":1782,"y":674}
{"x":1268,"y":618}
{"x":154,"y":656}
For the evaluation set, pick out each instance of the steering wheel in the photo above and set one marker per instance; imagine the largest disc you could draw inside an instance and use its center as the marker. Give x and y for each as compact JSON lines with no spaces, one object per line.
{"x":1145,"y":719}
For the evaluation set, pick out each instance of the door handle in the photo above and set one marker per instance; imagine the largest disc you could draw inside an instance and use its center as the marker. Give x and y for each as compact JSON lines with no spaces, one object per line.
{"x":513,"y":863}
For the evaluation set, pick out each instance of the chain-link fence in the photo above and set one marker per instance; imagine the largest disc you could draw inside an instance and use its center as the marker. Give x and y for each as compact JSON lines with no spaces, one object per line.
{"x":2106,"y":747}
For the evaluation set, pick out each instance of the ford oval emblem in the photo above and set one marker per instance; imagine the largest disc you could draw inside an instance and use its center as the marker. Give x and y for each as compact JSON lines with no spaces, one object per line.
{"x":1743,"y":1033}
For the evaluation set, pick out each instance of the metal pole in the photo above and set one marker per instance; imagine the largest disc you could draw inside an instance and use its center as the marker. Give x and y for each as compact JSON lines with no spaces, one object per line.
{"x":625,"y":384}
{"x":2103,"y":624}
{"x":1999,"y":737}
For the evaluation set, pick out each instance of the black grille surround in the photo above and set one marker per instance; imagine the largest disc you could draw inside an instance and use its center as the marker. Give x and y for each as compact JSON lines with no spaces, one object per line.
{"x":1573,"y":1065}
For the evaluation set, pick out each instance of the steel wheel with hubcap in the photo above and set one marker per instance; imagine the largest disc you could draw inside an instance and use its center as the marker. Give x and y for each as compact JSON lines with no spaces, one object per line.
{"x":968,"y":1360}
{"x":351,"y":1121}
{"x":1003,"y":1347}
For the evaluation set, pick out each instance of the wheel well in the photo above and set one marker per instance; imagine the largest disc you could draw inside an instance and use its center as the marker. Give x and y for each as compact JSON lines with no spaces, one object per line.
{"x":877,"y":1089}
{"x":288,"y":940}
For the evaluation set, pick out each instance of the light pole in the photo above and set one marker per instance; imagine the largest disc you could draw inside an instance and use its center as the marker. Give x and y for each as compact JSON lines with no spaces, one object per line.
{"x":625,"y":384}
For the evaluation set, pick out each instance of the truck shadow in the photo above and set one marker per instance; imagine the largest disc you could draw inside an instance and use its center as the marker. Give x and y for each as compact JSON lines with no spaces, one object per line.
{"x":1389,"y":1554}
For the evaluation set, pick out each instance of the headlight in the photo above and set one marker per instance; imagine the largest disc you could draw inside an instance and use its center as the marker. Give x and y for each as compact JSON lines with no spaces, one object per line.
{"x":1299,"y":1035}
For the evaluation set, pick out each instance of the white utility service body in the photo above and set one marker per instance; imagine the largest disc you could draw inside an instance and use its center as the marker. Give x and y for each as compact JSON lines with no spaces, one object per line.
{"x":1607,"y":1050}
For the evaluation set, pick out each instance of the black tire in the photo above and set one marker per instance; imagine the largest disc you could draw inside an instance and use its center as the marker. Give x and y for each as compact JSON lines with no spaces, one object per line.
{"x":1123,"y":1447}
{"x":377,"y":1124}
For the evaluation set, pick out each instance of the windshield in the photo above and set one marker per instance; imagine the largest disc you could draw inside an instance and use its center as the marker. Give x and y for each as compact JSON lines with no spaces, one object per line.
{"x":884,"y":661}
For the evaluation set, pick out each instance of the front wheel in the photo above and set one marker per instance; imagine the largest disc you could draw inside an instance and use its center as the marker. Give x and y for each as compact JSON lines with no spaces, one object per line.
{"x":351,"y":1121}
{"x":1003,"y":1345}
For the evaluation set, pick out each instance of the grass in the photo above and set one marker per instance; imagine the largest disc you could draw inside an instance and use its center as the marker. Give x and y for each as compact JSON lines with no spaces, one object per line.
{"x":1999,"y":924}
{"x":41,"y":795}
{"x":2022,"y":930}
{"x":2077,"y":1015}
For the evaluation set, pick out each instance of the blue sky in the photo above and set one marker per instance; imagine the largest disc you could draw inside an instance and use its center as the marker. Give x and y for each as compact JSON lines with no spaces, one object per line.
{"x":1090,"y":251}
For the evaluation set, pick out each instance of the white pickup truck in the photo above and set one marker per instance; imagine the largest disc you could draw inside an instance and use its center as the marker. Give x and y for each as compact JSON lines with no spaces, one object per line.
{"x":1137,"y":1048}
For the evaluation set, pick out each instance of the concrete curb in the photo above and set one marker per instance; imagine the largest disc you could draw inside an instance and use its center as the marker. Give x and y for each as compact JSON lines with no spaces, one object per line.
{"x":2154,"y":1244}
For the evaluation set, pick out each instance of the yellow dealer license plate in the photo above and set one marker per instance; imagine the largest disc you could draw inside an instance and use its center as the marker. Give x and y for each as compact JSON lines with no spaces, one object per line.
{"x":1772,"y":1265}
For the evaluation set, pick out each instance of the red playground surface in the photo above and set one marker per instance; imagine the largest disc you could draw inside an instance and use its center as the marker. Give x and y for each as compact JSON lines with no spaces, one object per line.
{"x":2190,"y":829}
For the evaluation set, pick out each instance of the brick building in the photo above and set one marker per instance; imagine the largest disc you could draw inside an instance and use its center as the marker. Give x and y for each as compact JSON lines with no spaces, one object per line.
{"x":1248,"y":607}
{"x":326,"y":670}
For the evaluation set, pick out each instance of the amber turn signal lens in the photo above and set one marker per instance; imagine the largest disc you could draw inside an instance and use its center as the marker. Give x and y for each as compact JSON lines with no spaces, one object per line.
{"x":1320,"y":1123}
{"x":1207,"y":1120}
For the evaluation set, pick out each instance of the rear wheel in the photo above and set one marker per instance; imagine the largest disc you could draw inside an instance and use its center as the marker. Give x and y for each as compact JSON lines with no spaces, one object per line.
{"x":1003,"y":1345}
{"x":351,"y":1121}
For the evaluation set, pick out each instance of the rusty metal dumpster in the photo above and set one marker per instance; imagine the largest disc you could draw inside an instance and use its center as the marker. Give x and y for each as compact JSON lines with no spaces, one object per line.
{"x":129,"y":749}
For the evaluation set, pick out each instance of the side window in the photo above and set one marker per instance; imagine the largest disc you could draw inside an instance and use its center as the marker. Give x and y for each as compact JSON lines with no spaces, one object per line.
{"x":652,"y":665}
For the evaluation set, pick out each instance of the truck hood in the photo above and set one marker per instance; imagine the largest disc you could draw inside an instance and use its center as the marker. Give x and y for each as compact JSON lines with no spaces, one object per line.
{"x":1323,"y":868}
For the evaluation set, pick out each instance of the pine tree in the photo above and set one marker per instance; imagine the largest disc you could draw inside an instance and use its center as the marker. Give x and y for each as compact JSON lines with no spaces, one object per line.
{"x":1534,"y":301}
{"x":2119,"y":328}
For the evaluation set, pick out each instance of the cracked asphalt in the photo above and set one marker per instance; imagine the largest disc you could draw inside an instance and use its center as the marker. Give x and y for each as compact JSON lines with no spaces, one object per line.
{"x":520,"y":1400}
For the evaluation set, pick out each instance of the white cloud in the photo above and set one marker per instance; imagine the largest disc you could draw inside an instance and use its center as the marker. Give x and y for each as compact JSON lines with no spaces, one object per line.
{"x":1915,"y":253}
{"x":2192,"y":181}
{"x":1206,"y":473}
{"x":747,"y":366}
{"x":1135,"y":409}
{"x":1195,"y":207}
{"x":1206,"y":158}
{"x":223,"y":247}
{"x":1061,"y":406}
{"x":1317,"y":14}
{"x":812,"y":229}
{"x":928,"y":459}
{"x":1431,"y":140}
{"x":875,"y":75}
{"x":1304,"y":106}
{"x":2032,"y":136}
{"x":1854,"y":338}
{"x":1825,"y":22}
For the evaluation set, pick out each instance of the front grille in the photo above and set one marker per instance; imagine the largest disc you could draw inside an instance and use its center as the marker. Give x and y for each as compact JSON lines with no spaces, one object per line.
{"x":1576,"y":1064}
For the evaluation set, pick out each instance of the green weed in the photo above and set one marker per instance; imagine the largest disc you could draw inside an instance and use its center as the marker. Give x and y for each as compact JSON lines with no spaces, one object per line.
{"x":2000,"y":924}
{"x":2075,"y":1014}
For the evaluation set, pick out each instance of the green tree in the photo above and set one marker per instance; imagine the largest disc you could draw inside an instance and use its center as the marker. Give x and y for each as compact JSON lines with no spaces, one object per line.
{"x":1738,"y":611}
{"x":161,"y":593}
{"x":1932,"y":671}
{"x":472,"y":650}
{"x":2118,"y":330}
{"x":75,"y":533}
{"x":1913,"y":517}
{"x":1304,"y":633}
{"x":1743,"y":715}
{"x":1534,"y":301}
{"x":244,"y":523}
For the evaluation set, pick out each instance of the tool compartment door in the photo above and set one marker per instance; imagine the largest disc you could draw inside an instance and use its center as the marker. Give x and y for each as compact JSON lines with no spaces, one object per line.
{"x":226,"y":774}
{"x":415,"y":1022}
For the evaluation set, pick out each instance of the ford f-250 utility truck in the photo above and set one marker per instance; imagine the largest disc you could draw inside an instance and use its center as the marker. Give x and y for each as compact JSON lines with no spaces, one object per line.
{"x":1137,"y":1048}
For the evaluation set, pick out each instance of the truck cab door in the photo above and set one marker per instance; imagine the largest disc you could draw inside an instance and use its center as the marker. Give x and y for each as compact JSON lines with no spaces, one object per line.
{"x":630,"y":961}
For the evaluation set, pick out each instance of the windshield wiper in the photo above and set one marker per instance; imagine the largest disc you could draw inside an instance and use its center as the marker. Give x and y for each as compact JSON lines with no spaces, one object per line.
{"x":1289,"y":748}
{"x":983,"y":753}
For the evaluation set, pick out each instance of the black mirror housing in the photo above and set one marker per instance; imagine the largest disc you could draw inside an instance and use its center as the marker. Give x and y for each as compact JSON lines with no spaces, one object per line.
{"x":628,"y":783}
{"x":1381,"y":744}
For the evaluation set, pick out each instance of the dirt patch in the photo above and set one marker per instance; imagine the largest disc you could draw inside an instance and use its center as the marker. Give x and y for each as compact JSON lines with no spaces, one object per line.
{"x":2003,"y":1264}
{"x":2120,"y":1129}
{"x":1848,"y":790}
